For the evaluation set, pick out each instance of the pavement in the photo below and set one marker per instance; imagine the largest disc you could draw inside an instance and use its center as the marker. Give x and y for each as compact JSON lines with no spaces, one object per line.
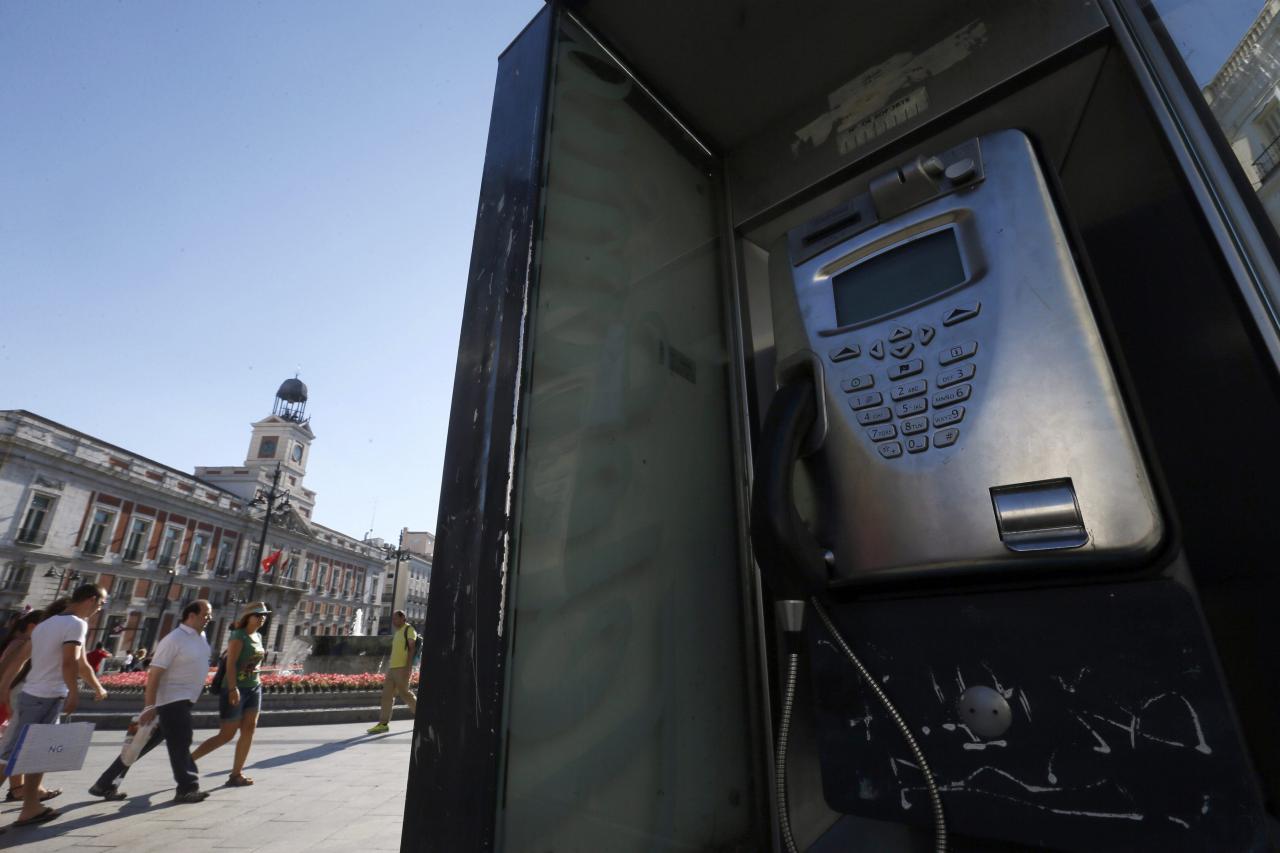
{"x":317,"y":788}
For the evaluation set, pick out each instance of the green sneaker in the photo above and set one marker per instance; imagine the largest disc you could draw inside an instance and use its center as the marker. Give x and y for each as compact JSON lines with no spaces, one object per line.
{"x":379,"y":729}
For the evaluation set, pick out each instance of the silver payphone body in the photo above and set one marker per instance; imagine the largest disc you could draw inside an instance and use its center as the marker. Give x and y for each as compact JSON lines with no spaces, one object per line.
{"x":968,"y":415}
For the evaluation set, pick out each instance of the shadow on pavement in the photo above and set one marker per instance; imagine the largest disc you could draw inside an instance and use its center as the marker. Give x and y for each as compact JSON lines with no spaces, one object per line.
{"x":319,"y":751}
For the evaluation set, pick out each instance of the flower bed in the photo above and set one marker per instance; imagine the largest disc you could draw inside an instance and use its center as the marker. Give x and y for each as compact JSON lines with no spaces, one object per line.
{"x":316,"y":682}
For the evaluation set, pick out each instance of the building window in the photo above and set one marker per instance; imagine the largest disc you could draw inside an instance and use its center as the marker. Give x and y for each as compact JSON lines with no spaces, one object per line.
{"x":122,"y":590}
{"x":159,"y":592}
{"x":99,"y":532}
{"x":35,"y":525}
{"x":199,"y":545}
{"x":136,"y":543}
{"x":17,"y":577}
{"x":267,"y":447}
{"x":169,"y":547}
{"x":223,"y":564}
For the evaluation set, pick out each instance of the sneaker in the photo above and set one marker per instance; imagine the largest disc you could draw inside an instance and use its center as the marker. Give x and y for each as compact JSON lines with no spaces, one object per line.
{"x":109,"y":792}
{"x":192,"y":797}
{"x":380,"y":728}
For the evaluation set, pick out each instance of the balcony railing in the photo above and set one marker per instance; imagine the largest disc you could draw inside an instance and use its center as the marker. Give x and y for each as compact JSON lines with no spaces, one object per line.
{"x":1267,"y":161}
{"x":166,"y":561}
{"x":18,"y":585}
{"x":34,"y":538}
{"x":94,"y":549}
{"x":133,"y":555}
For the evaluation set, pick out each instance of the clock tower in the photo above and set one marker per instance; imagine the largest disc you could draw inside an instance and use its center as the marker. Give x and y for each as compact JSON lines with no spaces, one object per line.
{"x":284,"y":438}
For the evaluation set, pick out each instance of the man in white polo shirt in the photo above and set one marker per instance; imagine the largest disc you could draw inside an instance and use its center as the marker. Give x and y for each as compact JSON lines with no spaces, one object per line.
{"x":175,"y":681}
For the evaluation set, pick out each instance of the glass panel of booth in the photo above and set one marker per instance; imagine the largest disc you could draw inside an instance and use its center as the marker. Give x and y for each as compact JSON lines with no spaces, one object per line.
{"x":1231,"y":50}
{"x":627,"y":713}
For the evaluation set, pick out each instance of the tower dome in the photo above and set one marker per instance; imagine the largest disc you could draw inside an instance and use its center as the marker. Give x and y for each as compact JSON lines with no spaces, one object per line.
{"x":291,"y":401}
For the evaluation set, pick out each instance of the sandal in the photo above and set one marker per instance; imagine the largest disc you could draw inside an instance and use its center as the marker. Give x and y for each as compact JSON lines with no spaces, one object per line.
{"x":238,"y":780}
{"x":44,"y":817}
{"x":15,"y":795}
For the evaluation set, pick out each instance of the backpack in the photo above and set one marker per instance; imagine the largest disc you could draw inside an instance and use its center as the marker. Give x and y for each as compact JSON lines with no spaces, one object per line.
{"x":417,"y":644}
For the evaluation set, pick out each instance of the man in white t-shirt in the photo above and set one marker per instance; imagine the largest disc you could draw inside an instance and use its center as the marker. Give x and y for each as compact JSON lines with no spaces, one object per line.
{"x":52,"y":686}
{"x":175,"y":681}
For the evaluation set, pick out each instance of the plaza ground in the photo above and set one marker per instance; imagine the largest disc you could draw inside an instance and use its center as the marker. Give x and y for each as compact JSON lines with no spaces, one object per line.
{"x":318,"y":788}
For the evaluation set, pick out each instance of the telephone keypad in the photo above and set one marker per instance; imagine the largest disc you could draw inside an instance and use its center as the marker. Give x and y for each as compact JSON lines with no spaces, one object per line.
{"x":892,"y":450}
{"x":877,"y":351}
{"x":917,"y":444}
{"x":883,"y":432}
{"x":905,"y":369}
{"x":914,"y":426}
{"x":865,"y":400}
{"x":958,"y":394}
{"x":914,"y":406}
{"x":909,"y":389}
{"x":858,"y":383}
{"x":963,"y":373}
{"x":945,"y":437}
{"x":874,"y":416}
{"x":948,"y":417}
{"x":957,"y":352}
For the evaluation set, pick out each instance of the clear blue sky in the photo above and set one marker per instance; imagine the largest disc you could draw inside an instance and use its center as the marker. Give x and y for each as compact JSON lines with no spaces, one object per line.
{"x":198,"y":199}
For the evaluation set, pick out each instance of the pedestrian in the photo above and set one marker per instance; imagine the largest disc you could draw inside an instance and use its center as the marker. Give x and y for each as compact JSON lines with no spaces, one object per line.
{"x":240,"y":700}
{"x":15,"y":656}
{"x":127,"y":664}
{"x":175,"y":681}
{"x":52,"y":687}
{"x":139,"y":660}
{"x":403,"y":643}
{"x":97,"y":656}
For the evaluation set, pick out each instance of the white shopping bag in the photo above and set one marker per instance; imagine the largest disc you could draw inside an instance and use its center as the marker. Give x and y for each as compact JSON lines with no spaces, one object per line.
{"x":49,"y":748}
{"x":136,"y":739}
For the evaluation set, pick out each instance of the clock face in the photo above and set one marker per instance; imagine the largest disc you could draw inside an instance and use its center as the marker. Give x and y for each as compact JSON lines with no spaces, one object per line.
{"x":297,"y":453}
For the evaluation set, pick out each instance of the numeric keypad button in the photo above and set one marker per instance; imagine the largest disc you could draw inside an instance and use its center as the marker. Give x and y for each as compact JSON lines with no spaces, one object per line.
{"x":884,"y":432}
{"x":945,"y":437}
{"x":858,"y":383}
{"x":914,"y":388}
{"x":891,"y":450}
{"x":916,"y":425}
{"x":917,"y":444}
{"x":958,"y":394}
{"x":907,"y":408}
{"x":957,"y":352}
{"x":867,"y":417}
{"x":865,"y":400}
{"x":963,"y":373}
{"x":947,"y":417}
{"x":905,"y":369}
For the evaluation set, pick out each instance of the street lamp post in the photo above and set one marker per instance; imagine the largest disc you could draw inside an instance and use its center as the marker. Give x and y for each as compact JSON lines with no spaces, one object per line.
{"x":164,"y":604}
{"x":268,"y":499}
{"x":399,"y":553}
{"x":64,"y":576}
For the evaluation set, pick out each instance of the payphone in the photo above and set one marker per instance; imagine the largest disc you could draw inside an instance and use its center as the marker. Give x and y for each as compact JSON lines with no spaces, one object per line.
{"x":967,"y":417}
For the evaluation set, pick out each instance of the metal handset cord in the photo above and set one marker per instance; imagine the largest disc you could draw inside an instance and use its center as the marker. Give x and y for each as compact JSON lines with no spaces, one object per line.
{"x":780,"y":756}
{"x":935,"y":799}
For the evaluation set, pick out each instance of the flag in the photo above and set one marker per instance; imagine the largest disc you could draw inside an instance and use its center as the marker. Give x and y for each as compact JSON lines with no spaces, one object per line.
{"x":271,"y":561}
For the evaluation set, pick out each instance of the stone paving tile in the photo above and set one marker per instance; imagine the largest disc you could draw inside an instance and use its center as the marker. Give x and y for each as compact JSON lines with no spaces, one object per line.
{"x":322,"y":788}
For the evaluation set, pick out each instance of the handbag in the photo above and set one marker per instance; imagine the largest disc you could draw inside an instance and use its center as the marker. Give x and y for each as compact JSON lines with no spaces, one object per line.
{"x":50,"y":748}
{"x":215,"y":683}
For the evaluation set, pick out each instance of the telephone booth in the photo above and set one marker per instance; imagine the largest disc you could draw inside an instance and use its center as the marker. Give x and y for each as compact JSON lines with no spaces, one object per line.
{"x":864,"y":437}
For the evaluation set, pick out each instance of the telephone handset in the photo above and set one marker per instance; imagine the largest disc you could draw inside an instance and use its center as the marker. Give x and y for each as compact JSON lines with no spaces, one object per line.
{"x":965,"y":410}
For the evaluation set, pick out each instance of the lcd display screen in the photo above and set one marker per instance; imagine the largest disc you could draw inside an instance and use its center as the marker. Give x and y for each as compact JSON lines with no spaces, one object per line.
{"x":897,"y":278}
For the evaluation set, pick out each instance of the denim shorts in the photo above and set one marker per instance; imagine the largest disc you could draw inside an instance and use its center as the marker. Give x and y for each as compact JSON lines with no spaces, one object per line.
{"x":250,"y":700}
{"x":29,"y":709}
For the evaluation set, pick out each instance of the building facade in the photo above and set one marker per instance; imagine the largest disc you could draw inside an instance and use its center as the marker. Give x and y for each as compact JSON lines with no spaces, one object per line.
{"x":1244,"y":97}
{"x":75,"y":509}
{"x":408,"y":580}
